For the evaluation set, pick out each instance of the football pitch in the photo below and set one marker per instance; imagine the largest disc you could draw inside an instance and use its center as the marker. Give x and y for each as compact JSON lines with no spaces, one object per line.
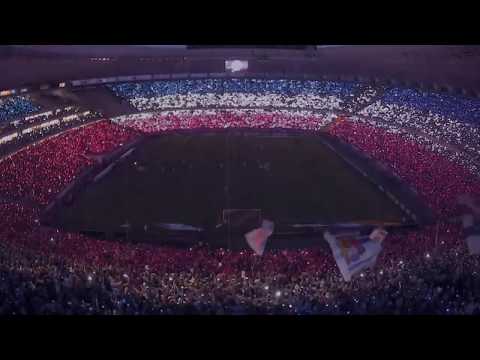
{"x":191,"y":179}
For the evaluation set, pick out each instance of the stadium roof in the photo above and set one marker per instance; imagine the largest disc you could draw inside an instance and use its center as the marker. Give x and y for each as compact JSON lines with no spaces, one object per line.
{"x":438,"y":66}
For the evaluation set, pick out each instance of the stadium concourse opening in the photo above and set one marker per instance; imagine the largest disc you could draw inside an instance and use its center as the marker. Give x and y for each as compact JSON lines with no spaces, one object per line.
{"x":184,"y":188}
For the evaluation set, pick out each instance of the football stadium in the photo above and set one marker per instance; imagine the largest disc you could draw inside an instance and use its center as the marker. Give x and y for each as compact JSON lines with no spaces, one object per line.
{"x":178,"y":180}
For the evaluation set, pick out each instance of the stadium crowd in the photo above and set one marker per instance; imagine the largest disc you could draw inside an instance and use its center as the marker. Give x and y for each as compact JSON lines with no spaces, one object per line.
{"x":41,"y":171}
{"x":444,"y":123}
{"x":42,"y":127}
{"x":240,"y":100}
{"x":428,"y":140}
{"x":445,"y":130}
{"x":448,"y":106}
{"x":455,"y":139}
{"x":438,"y":180}
{"x":226,"y":118}
{"x":45,"y":271}
{"x":218,"y":86}
{"x":16,"y":106}
{"x":44,"y":116}
{"x":251,"y":93}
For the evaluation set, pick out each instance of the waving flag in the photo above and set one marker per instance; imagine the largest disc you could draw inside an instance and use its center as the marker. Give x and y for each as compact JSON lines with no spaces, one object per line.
{"x":257,"y":238}
{"x":354,"y":251}
{"x":378,"y":234}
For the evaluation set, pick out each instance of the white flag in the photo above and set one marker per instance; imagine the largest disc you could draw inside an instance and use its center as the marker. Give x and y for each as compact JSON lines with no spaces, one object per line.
{"x":378,"y":234}
{"x":257,"y":238}
{"x":354,"y":252}
{"x":268,"y":225}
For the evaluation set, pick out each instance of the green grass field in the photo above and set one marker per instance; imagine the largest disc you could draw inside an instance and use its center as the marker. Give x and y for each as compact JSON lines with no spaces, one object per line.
{"x":191,"y":179}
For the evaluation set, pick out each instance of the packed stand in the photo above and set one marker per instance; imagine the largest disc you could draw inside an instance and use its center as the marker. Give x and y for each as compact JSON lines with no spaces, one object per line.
{"x":45,"y":116}
{"x":234,"y":100}
{"x":22,"y":137}
{"x":444,"y":123}
{"x":220,"y":86}
{"x":448,"y":106}
{"x":26,"y":121}
{"x":16,"y":106}
{"x":438,"y":180}
{"x":41,"y":171}
{"x":45,"y":271}
{"x":240,"y":93}
{"x":231,"y":118}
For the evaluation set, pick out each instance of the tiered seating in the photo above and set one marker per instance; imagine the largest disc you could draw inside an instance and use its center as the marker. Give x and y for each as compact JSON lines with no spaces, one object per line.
{"x":16,"y":106}
{"x":40,"y":172}
{"x":446,"y":105}
{"x":61,"y":273}
{"x":46,"y":271}
{"x":252,"y":93}
{"x":444,"y":123}
{"x":437,"y":179}
{"x":197,"y":119}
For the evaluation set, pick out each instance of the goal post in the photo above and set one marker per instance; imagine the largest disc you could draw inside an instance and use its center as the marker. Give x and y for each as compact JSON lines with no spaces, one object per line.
{"x":240,"y":218}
